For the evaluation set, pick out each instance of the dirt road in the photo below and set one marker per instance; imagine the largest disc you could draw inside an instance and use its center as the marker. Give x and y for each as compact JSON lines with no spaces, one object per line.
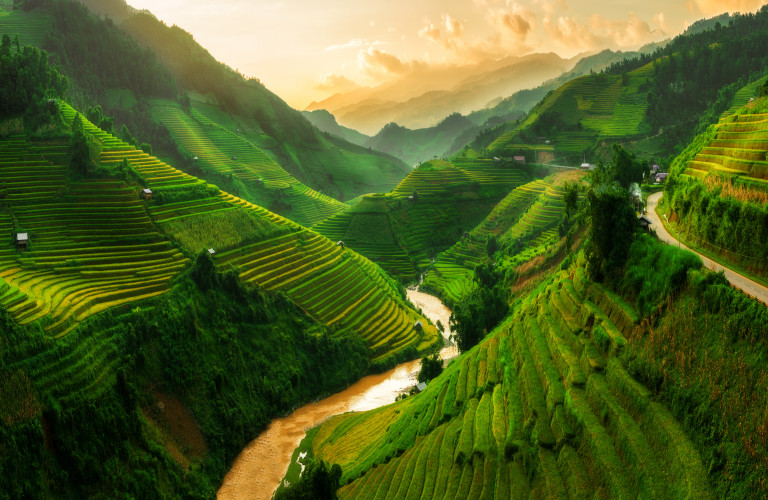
{"x":747,"y":285}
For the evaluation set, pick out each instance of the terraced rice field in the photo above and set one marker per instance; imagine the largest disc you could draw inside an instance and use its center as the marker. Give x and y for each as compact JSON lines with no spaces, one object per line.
{"x":92,"y":243}
{"x":31,"y":27}
{"x":399,"y":230}
{"x":335,"y":285}
{"x":226,"y":153}
{"x":541,"y":409}
{"x":602,"y":105}
{"x":738,"y":150}
{"x":528,"y":217}
{"x":95,"y":245}
{"x":370,"y":234}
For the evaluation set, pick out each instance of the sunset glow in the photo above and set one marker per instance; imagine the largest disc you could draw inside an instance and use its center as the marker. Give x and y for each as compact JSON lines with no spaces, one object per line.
{"x":305,"y":50}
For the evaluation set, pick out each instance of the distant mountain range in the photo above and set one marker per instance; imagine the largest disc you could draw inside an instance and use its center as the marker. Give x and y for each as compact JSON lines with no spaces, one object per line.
{"x":451,"y":133}
{"x":426,"y":97}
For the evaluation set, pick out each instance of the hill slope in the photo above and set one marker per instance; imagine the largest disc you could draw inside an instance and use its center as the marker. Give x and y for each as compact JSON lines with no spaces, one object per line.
{"x":95,"y":245}
{"x":428,"y":211}
{"x":525,"y":225}
{"x":543,"y":407}
{"x":177,"y":68}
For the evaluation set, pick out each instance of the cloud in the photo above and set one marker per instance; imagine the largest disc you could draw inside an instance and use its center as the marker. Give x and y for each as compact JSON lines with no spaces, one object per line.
{"x":600,"y":32}
{"x":331,"y":82}
{"x":516,"y":21}
{"x":355,"y":44}
{"x":510,"y":26}
{"x":378,"y":63}
{"x":448,"y":34}
{"x":714,"y":7}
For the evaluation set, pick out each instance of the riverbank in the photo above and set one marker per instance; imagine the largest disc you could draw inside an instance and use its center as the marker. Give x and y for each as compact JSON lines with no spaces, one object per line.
{"x":257,"y":471}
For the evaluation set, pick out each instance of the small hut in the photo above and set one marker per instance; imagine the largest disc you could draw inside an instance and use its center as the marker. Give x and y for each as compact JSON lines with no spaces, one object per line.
{"x":211,"y":252}
{"x":421,"y":386}
{"x":22,"y":241}
{"x":418,"y":326}
{"x":645,"y":223}
{"x":661,"y":177}
{"x":519,"y":159}
{"x":145,"y":194}
{"x":340,"y":244}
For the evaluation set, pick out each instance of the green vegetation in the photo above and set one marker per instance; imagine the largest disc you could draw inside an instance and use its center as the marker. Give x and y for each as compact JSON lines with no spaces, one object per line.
{"x":524,"y":225}
{"x":426,"y":213}
{"x":170,"y":390}
{"x":716,"y":197}
{"x":242,"y":168}
{"x":318,"y":482}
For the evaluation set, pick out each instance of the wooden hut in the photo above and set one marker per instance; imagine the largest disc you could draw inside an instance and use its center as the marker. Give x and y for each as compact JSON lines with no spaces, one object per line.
{"x":145,"y":194}
{"x":22,"y":241}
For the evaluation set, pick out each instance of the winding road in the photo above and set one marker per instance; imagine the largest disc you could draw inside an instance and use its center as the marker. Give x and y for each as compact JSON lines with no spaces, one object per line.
{"x":748,"y":286}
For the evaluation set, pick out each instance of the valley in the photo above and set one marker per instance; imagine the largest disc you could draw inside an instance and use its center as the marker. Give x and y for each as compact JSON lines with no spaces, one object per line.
{"x":479,"y":267}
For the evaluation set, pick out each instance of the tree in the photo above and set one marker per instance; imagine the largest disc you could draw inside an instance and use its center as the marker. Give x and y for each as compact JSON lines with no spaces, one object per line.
{"x":626,"y":169}
{"x":317,"y":482}
{"x":611,"y":231}
{"x":570,"y":197}
{"x":491,"y":245}
{"x":482,"y":310}
{"x":79,"y":154}
{"x":431,"y":367}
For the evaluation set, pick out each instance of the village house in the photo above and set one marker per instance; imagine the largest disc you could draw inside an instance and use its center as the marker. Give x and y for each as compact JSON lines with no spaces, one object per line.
{"x":145,"y":194}
{"x":519,"y":159}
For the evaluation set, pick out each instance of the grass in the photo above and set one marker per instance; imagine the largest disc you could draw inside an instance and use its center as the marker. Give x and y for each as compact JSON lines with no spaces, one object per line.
{"x":527,"y":415}
{"x":229,"y":156}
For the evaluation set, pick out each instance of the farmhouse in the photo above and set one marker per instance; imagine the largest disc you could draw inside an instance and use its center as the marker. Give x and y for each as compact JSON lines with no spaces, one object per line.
{"x":22,"y":240}
{"x":145,"y":194}
{"x":661,"y":177}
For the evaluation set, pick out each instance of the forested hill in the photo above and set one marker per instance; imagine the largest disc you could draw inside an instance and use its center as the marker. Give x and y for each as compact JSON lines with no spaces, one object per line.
{"x":650,"y":103}
{"x":125,"y":66}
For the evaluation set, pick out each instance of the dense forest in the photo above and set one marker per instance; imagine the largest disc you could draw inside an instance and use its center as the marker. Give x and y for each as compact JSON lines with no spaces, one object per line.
{"x":263,"y":356}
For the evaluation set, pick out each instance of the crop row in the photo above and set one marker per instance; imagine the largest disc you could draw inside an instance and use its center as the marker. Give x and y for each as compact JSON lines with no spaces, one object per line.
{"x":542,"y":407}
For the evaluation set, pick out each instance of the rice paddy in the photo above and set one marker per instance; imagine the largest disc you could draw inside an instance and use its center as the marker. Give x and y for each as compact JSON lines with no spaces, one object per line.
{"x":542,"y":408}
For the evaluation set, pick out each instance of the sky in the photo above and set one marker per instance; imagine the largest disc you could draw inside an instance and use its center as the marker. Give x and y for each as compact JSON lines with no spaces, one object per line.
{"x":306,"y":50}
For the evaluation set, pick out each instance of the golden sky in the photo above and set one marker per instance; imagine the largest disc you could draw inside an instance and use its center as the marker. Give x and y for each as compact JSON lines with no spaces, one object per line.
{"x":306,"y":50}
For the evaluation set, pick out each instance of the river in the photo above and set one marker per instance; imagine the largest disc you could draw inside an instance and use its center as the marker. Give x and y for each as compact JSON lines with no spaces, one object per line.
{"x":257,"y":471}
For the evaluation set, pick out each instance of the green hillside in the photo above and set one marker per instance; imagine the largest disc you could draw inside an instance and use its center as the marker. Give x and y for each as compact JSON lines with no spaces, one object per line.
{"x":574,"y":117}
{"x":95,"y":244}
{"x":543,"y":407}
{"x":416,"y":146}
{"x":426,"y":213}
{"x":575,"y":395}
{"x":717,"y":194}
{"x":242,"y":167}
{"x":177,"y":68}
{"x":336,"y":167}
{"x":525,"y":222}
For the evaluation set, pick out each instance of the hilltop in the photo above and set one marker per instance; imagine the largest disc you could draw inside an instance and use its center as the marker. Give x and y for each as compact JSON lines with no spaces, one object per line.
{"x":163,"y":67}
{"x":425,"y":214}
{"x":650,"y":103}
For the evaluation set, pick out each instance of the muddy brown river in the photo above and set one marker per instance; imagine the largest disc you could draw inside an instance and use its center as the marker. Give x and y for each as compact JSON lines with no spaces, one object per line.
{"x":257,"y":471}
